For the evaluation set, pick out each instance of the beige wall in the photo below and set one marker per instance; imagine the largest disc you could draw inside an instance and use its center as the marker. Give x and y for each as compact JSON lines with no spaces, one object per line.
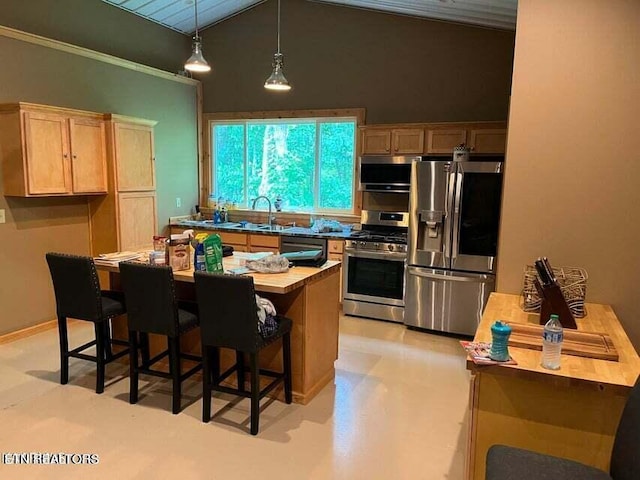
{"x":35,"y":226}
{"x":573,"y":162}
{"x":99,"y":26}
{"x":400,"y":69}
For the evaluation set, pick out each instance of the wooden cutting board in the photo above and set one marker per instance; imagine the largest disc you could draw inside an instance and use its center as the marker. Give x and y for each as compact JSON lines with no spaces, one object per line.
{"x":581,"y":344}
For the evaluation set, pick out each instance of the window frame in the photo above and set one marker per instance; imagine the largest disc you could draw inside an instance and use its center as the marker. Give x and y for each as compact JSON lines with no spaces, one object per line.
{"x":320,"y":116}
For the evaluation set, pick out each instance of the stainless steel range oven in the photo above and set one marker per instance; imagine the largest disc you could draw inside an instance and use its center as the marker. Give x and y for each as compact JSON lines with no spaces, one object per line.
{"x":374,"y":267}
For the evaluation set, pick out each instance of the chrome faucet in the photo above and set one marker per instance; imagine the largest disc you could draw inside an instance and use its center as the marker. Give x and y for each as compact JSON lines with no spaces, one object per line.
{"x":253,"y":207}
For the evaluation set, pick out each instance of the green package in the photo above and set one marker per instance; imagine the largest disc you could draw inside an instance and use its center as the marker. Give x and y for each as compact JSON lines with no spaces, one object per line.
{"x":213,"y":253}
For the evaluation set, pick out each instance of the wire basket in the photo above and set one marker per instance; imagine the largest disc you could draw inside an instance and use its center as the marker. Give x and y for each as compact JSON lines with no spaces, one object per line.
{"x":572,"y":282}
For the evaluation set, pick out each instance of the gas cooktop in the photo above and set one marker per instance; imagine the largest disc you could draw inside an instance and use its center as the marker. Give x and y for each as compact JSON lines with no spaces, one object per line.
{"x":389,"y":237}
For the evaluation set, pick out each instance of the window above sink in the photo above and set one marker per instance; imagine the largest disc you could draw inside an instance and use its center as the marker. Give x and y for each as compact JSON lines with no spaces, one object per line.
{"x":309,"y":162}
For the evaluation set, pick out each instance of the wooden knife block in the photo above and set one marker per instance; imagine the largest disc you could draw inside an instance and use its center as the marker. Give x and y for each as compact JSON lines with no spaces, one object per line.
{"x":553,"y":302}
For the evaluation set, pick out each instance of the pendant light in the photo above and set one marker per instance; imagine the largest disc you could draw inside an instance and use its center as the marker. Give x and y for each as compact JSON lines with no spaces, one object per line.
{"x":196,"y":62}
{"x":277,"y":80}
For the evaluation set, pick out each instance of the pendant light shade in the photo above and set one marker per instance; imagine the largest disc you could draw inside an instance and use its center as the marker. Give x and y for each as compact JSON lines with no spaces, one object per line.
{"x":277,"y":81}
{"x":196,"y":62}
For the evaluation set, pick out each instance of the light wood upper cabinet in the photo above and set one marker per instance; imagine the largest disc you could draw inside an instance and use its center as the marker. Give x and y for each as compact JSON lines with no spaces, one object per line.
{"x":88,"y":155}
{"x":47,"y":153}
{"x":51,"y":151}
{"x":376,"y":142}
{"x":407,"y":140}
{"x":392,"y":141}
{"x":490,"y":140}
{"x":443,"y":141}
{"x":441,"y":138}
{"x":134,"y":157}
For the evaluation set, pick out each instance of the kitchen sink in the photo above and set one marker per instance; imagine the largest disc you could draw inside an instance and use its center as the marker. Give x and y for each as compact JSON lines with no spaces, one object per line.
{"x":269,"y":228}
{"x":228,"y":225}
{"x":246,"y":226}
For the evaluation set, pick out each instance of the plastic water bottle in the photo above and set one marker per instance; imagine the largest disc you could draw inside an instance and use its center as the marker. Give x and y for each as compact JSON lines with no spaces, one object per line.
{"x":552,"y":343}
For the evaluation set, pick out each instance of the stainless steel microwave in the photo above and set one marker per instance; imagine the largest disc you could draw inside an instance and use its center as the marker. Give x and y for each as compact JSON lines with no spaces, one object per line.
{"x":385,"y":174}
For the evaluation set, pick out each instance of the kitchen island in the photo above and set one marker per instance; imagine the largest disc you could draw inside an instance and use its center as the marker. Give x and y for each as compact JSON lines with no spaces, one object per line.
{"x":572,"y":412}
{"x":308,"y":296}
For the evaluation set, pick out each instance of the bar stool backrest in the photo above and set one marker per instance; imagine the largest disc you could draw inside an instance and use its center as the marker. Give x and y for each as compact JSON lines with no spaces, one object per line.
{"x":149,"y":292}
{"x":76,"y":286}
{"x":228,"y":311}
{"x":625,"y":458}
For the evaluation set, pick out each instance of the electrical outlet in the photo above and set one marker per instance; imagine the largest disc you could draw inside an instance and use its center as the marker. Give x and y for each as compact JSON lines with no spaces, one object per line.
{"x":178,"y":202}
{"x":2,"y":217}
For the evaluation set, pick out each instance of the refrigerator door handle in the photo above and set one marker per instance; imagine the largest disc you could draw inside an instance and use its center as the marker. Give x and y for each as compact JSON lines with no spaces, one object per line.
{"x":448,"y":205}
{"x":456,"y":215}
{"x":426,"y":273}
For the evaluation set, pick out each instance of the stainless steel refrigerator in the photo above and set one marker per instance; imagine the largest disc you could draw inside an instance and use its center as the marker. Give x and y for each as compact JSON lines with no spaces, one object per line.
{"x":453,"y":236}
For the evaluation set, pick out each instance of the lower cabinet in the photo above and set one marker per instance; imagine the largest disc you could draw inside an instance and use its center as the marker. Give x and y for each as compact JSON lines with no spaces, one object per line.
{"x":336,"y":249}
{"x":264,"y":243}
{"x":236,"y":240}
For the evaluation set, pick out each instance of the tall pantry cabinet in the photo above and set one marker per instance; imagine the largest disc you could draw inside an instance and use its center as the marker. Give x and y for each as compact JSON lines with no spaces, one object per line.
{"x":126,"y":218}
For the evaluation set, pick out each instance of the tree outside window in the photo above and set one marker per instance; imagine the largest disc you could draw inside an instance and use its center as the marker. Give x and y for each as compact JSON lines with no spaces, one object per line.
{"x":309,"y":163}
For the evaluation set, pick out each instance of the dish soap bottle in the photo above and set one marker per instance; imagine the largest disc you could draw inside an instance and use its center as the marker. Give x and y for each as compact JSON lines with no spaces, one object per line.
{"x":278,"y":204}
{"x":552,"y":343}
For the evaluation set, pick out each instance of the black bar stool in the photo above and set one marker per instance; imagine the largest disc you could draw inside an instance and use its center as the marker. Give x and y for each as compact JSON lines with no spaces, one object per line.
{"x":229,"y":319}
{"x":506,"y":463}
{"x":78,"y":295}
{"x":152,"y":308}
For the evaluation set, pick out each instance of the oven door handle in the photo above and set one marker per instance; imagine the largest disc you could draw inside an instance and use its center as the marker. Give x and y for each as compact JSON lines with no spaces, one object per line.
{"x":394,"y":256}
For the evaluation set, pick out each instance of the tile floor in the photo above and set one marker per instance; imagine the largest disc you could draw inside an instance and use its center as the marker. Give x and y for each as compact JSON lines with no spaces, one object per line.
{"x":397,"y":410}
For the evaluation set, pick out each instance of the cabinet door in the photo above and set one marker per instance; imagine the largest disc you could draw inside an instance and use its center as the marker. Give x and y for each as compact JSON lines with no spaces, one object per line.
{"x":134,"y":157}
{"x":48,"y":168}
{"x":376,"y":142}
{"x":336,"y":246}
{"x":232,"y":238}
{"x":336,"y":257}
{"x":407,"y":140}
{"x":488,"y":141}
{"x":136,"y":220}
{"x":88,"y":155}
{"x":267,"y":242}
{"x":443,"y":141}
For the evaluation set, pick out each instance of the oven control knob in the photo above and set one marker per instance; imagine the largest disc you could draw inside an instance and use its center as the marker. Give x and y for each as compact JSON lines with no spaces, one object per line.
{"x":376,"y":245}
{"x":391,"y":247}
{"x":362,"y":244}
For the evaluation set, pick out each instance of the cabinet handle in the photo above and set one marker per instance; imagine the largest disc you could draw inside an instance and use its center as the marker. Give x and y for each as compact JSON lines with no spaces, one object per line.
{"x":64,"y":155}
{"x":75,"y":156}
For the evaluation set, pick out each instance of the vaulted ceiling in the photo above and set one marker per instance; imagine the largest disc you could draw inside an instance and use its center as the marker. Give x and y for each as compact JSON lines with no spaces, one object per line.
{"x":179,"y":14}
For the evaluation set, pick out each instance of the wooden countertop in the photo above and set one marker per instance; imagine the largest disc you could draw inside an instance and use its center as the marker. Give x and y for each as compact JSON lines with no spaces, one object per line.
{"x":265,"y":282}
{"x":599,"y":318}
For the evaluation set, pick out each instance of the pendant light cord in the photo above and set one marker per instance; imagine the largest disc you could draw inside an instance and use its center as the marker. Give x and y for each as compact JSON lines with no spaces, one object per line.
{"x":278,"y":26}
{"x":195,"y":3}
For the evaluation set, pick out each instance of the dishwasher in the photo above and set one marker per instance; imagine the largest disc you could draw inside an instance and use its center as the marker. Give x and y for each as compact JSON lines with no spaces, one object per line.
{"x":295,"y":243}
